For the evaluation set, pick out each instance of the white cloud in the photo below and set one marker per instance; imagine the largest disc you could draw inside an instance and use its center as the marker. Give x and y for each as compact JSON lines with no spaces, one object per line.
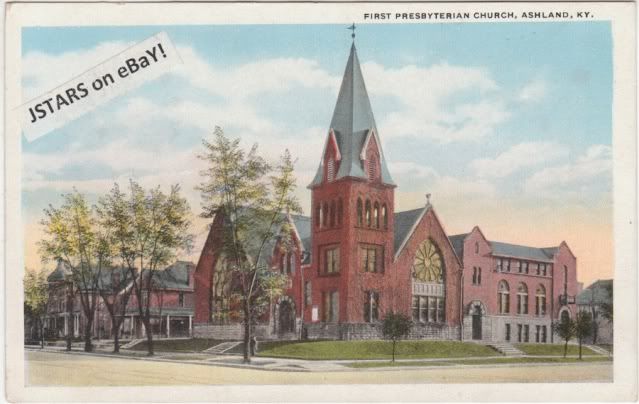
{"x":533,"y":91}
{"x":42,"y":72}
{"x":442,"y":102}
{"x":518,"y":157}
{"x":576,"y":178}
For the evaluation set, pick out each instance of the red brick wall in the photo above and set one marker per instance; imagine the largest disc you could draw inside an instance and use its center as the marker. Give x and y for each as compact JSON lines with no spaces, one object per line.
{"x":429,"y":227}
{"x":204,"y":272}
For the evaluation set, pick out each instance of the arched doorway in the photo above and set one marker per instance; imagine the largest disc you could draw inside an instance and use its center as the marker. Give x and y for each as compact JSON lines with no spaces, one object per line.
{"x":477,"y":326}
{"x":286,"y":317}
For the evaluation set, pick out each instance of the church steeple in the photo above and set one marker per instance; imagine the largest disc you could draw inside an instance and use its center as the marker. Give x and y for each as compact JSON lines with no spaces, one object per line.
{"x":353,"y":112}
{"x":353,"y":125}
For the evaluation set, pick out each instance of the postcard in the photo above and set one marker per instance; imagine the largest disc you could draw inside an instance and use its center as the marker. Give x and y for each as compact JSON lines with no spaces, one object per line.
{"x":257,"y":201}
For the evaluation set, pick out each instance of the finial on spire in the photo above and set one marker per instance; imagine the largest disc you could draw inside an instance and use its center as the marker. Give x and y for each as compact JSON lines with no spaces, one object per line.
{"x":352,"y":28}
{"x":427,"y":199}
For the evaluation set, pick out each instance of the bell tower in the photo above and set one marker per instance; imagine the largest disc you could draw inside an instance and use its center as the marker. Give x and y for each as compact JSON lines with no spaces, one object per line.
{"x":352,"y":212}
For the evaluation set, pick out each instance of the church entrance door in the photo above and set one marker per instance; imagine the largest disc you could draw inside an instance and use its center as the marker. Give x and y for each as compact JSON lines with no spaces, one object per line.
{"x":477,"y":323}
{"x":287,"y":317}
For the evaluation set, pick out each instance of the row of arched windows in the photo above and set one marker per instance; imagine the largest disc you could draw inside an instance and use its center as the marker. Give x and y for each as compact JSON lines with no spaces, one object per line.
{"x":372,"y":214}
{"x":503,"y":298}
{"x":328,"y":214}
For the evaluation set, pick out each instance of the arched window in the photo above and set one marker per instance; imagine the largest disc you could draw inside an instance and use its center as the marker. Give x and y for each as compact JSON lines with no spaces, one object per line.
{"x":325,"y":214}
{"x":372,"y":168}
{"x":368,"y":213}
{"x":565,"y":316}
{"x":360,"y":212}
{"x":339,"y":211}
{"x":476,"y":248}
{"x":332,"y":213}
{"x":318,"y":215}
{"x":384,"y":217}
{"x":540,"y":300}
{"x":282,"y":263}
{"x":503,"y":296}
{"x":330,"y":170}
{"x":376,"y":215}
{"x":522,"y":299}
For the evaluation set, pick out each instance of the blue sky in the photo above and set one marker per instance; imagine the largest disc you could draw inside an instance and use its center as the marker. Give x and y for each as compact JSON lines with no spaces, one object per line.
{"x":489,"y":117}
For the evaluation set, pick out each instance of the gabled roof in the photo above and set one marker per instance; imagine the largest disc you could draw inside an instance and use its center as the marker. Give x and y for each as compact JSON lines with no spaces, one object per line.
{"x":352,"y":123}
{"x":175,"y":276}
{"x":520,"y":251}
{"x":597,"y":293}
{"x":404,"y":223}
{"x":303,"y":227}
{"x":457,"y":241}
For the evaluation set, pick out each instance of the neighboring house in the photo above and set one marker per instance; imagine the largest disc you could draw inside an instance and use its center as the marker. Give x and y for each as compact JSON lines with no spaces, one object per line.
{"x":171,"y":304}
{"x":356,"y":259}
{"x":592,"y":299}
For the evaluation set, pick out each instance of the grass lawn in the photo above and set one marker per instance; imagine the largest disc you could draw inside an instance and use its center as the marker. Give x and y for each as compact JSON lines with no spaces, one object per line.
{"x":374,"y":350}
{"x":487,"y":361}
{"x":552,"y":349}
{"x":179,"y":345}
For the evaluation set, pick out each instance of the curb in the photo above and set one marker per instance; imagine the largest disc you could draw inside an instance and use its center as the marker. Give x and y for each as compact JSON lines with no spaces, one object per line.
{"x":306,"y":370}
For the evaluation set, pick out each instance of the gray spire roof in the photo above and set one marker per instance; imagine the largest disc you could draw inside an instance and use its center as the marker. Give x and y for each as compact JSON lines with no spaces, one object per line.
{"x":352,"y":123}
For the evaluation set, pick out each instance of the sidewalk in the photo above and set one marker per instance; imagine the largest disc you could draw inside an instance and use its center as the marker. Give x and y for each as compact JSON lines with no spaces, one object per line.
{"x":298,"y":365}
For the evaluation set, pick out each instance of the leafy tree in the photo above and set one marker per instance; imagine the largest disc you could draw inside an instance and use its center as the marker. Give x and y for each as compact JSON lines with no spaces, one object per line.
{"x":36,"y":297}
{"x":395,"y":327}
{"x":252,"y":196}
{"x":75,"y":238}
{"x":583,"y":327}
{"x":115,"y":295}
{"x":607,"y":307}
{"x":565,"y":329}
{"x":147,"y":229}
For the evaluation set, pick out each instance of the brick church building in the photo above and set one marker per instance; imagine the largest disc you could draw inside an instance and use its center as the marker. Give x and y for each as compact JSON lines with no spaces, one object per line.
{"x":356,"y":259}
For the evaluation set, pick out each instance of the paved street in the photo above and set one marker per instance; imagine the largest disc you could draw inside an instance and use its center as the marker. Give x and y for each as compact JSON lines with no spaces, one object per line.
{"x":59,"y":369}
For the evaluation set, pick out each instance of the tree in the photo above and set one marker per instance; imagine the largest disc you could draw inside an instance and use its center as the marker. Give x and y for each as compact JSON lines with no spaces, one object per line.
{"x":395,"y":327}
{"x":36,"y":297}
{"x":583,"y":327}
{"x":115,"y":294}
{"x":147,"y":229}
{"x":607,"y":307}
{"x":565,"y":328}
{"x":75,"y":238}
{"x":252,"y":196}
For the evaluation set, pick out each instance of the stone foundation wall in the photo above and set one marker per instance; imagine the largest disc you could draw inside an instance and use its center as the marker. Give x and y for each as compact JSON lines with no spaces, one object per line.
{"x":236,"y":332}
{"x":366,"y":331}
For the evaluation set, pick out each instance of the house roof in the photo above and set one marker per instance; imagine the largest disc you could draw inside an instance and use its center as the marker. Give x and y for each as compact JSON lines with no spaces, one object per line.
{"x":352,"y":123}
{"x":597,"y":293}
{"x":404,"y":223}
{"x":176,"y":276}
{"x":457,"y":241}
{"x":520,"y":251}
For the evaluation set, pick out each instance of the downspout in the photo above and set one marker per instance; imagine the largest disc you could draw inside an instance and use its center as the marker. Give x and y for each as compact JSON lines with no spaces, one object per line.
{"x":552,"y":303}
{"x":461,"y":305}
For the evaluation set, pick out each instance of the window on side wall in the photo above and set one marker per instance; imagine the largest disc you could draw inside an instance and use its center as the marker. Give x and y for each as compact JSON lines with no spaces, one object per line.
{"x":331,"y":260}
{"x":371,"y":306}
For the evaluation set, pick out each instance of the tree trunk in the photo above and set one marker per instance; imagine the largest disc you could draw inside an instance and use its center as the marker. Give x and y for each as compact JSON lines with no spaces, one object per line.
{"x":41,"y":323}
{"x":247,"y":333}
{"x":580,"y":341}
{"x":88,"y":345}
{"x":115,"y":327}
{"x":394,"y":350}
{"x":149,"y":334}
{"x":565,"y":349}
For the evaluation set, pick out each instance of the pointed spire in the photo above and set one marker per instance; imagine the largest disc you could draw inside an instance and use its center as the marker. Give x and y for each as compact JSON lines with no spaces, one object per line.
{"x":353,"y":112}
{"x":352,"y":124}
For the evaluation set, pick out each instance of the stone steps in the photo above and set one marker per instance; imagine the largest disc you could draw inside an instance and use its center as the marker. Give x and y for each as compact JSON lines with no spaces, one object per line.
{"x":223,"y":347}
{"x":506,"y":349}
